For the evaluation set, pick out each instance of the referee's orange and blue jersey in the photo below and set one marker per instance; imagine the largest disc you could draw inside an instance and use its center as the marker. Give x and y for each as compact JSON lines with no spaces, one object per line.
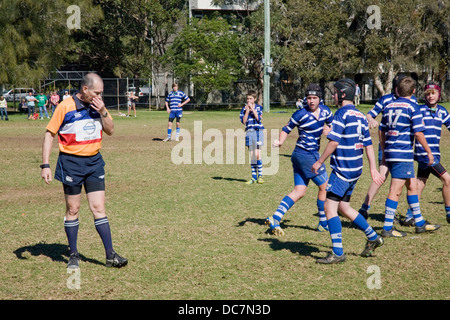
{"x":78,"y":126}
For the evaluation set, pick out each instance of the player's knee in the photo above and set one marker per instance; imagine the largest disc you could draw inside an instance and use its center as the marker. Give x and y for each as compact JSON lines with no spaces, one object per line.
{"x":72,"y":211}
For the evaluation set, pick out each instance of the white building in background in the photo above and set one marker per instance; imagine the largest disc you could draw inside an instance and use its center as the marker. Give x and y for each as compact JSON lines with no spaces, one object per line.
{"x":197,"y":8}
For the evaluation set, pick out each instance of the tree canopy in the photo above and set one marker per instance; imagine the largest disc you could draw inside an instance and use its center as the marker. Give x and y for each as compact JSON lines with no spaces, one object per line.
{"x":312,"y":40}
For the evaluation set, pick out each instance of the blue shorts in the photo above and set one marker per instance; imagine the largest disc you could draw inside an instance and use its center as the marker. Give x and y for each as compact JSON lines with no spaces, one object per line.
{"x":340,"y":187}
{"x":302,"y":162}
{"x":401,"y":170}
{"x":254,"y":138}
{"x":176,"y":114}
{"x":74,"y":171}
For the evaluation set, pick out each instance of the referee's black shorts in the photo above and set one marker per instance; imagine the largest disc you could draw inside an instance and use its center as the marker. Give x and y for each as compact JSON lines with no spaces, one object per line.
{"x":75,"y":171}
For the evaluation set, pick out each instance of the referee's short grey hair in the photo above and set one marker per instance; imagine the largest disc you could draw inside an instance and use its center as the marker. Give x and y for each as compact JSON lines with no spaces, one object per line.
{"x":89,"y":79}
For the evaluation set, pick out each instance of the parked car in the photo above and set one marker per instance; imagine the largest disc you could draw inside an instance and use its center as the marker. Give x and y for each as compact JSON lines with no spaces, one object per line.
{"x":17,"y":93}
{"x":143,"y":91}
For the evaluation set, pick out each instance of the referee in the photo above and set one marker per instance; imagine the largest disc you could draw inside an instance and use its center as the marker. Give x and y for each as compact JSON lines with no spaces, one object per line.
{"x":79,"y":122}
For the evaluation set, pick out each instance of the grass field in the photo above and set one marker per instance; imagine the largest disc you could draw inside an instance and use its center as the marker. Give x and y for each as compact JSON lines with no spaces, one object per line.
{"x":196,"y":231}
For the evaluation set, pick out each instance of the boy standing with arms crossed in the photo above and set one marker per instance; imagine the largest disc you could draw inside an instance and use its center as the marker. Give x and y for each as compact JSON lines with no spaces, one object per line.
{"x":347,"y":139}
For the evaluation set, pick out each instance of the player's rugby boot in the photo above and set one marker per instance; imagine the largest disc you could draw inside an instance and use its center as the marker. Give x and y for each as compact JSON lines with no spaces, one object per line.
{"x":116,"y":261}
{"x":321,"y":228}
{"x":74,"y":261}
{"x":393,"y":233}
{"x":371,"y":246}
{"x":274,"y":225}
{"x":251,"y":181}
{"x":260,"y":180}
{"x":427,"y":227}
{"x":408,"y":222}
{"x":331,"y":258}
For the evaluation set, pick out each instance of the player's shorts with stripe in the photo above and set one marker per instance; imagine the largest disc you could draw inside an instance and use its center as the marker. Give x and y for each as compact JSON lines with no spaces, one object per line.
{"x":401,"y":170}
{"x":436,"y":169}
{"x":74,"y":171}
{"x":176,"y":114}
{"x":339,"y":189}
{"x":302,"y":162}
{"x":254,"y":138}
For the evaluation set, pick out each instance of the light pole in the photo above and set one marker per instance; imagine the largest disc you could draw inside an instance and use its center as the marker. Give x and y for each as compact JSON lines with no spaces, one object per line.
{"x":267,"y":67}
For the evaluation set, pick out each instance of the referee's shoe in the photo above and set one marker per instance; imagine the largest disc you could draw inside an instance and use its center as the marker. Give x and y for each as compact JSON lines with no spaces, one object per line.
{"x":116,"y":261}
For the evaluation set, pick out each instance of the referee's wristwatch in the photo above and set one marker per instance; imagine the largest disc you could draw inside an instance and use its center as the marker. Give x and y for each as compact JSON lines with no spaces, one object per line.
{"x":45,"y":165}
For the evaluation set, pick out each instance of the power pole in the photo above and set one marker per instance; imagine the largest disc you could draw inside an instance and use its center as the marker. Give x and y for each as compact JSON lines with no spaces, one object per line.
{"x":267,"y":67}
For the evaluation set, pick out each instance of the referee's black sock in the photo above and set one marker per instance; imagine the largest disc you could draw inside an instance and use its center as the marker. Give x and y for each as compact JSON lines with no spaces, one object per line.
{"x":71,"y":228}
{"x":103,"y":229}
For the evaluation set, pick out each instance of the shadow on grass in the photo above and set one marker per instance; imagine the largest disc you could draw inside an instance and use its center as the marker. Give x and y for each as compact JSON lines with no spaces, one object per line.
{"x":229,"y":179}
{"x":297,"y":247}
{"x":55,"y":251}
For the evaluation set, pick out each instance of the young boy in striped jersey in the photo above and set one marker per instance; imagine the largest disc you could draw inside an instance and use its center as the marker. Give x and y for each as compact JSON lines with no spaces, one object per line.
{"x":251,"y":117}
{"x":310,"y":122}
{"x":371,"y":115}
{"x":348,"y":138}
{"x":434,"y":116}
{"x":174,"y":105}
{"x":400,"y":124}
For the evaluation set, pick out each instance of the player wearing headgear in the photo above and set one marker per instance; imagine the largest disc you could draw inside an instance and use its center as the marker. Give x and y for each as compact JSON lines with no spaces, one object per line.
{"x":348,"y":138}
{"x":383,"y":169}
{"x":310,"y":122}
{"x":434,"y":116}
{"x":402,"y":121}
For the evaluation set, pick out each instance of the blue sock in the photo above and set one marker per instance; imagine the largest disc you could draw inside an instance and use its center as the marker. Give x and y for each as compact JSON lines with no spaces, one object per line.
{"x":447,"y":211}
{"x":414,"y":205}
{"x":71,"y":228}
{"x":254,"y":169}
{"x":178,"y":132}
{"x":391,"y":207}
{"x":409,"y":214}
{"x":284,"y":206}
{"x":103,"y":229}
{"x":169,"y":132}
{"x":364,"y":226}
{"x":321,"y":212}
{"x":259,"y":167}
{"x":364,"y":207}
{"x":335,"y":227}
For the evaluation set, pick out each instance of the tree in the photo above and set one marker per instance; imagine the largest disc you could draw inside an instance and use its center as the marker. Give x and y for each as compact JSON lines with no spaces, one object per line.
{"x":407,"y":39}
{"x":317,"y":41}
{"x":205,"y":52}
{"x":35,"y":37}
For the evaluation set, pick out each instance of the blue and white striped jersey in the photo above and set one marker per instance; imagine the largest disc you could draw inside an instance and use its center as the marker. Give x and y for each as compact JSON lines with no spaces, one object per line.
{"x":174,"y":98}
{"x":383,"y":102}
{"x":433,"y":127}
{"x":309,"y":127}
{"x":350,"y":129}
{"x":252,"y":123}
{"x":401,"y":119}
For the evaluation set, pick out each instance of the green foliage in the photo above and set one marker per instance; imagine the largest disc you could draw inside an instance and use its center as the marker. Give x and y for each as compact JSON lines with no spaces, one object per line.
{"x":35,"y":39}
{"x":205,"y":52}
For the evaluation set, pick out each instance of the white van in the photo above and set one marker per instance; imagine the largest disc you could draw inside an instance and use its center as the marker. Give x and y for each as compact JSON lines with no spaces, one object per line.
{"x":17,"y":93}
